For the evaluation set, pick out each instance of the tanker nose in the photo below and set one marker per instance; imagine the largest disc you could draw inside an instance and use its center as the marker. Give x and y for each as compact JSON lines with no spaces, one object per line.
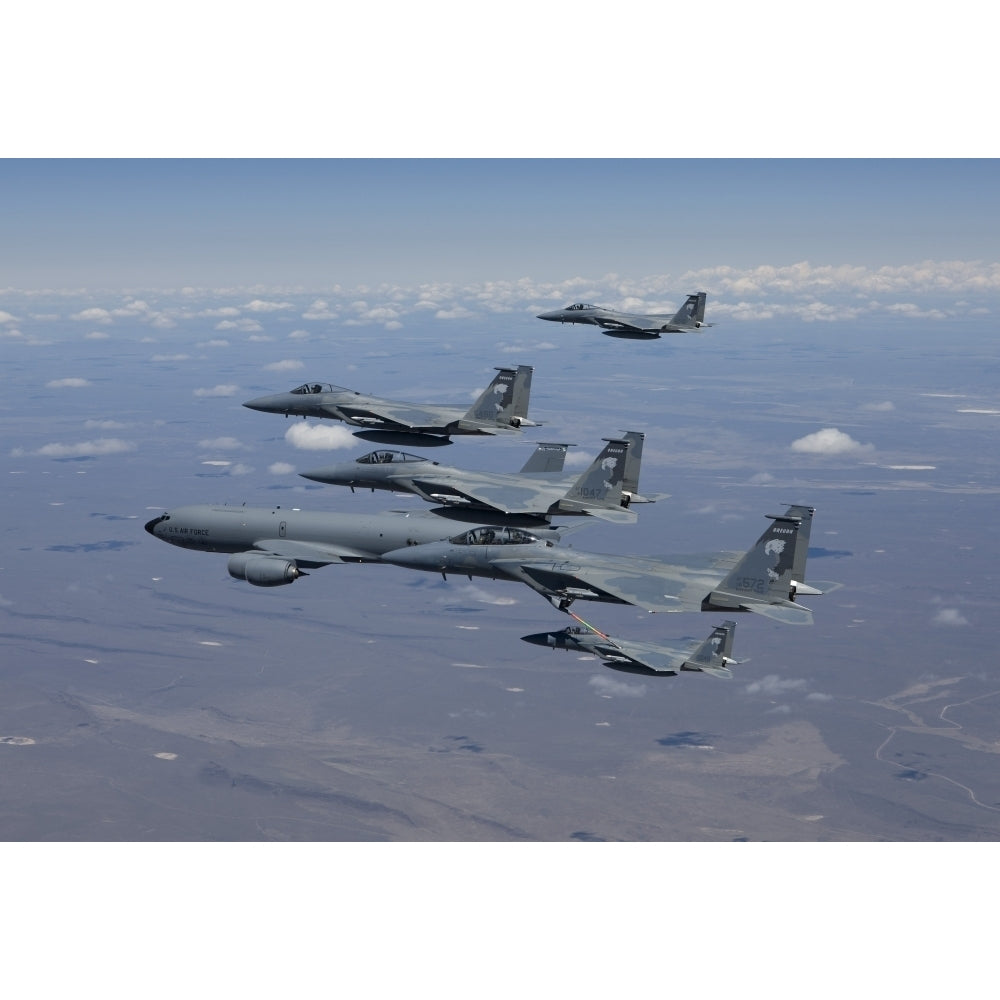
{"x":151,"y":525}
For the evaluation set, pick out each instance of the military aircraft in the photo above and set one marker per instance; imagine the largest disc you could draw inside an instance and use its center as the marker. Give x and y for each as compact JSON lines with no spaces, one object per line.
{"x":764,"y":580}
{"x":501,"y":409}
{"x":270,"y":546}
{"x":690,"y":316}
{"x":710,"y":656}
{"x":604,"y":490}
{"x":274,"y":546}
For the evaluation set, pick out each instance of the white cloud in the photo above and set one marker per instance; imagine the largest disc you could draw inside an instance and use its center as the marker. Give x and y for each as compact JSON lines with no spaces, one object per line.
{"x":319,"y":437}
{"x":95,"y":315}
{"x":578,"y":459}
{"x":240,"y":469}
{"x":610,"y":687}
{"x":6,"y":317}
{"x":949,"y":616}
{"x":171,"y":357}
{"x":281,"y":469}
{"x":772,"y":685}
{"x":498,"y":598}
{"x":222,"y":311}
{"x":519,"y":347}
{"x":102,"y":446}
{"x":320,"y":309}
{"x":885,"y":407}
{"x":830,"y":441}
{"x":299,"y":335}
{"x":67,"y":383}
{"x":259,"y":305}
{"x":222,"y":443}
{"x":244,"y":325}
{"x":219,"y":390}
{"x":214,"y":343}
{"x":103,"y":425}
{"x":288,"y":365}
{"x":97,"y":335}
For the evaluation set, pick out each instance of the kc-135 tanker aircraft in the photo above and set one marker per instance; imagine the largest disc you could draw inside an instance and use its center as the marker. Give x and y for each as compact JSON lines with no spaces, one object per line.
{"x":690,"y":316}
{"x":605,"y":490}
{"x":501,"y":409}
{"x":271,"y":547}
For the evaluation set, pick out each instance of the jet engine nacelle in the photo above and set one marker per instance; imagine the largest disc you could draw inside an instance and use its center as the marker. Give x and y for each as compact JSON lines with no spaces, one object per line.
{"x":263,"y":570}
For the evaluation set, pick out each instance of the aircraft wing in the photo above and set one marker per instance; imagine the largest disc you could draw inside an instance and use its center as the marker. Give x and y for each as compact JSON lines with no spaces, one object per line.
{"x":403,"y":416}
{"x":613,"y":580}
{"x":310,"y":553}
{"x":512,"y":497}
{"x":644,"y":654}
{"x":644,"y":583}
{"x":607,"y":323}
{"x":509,"y":498}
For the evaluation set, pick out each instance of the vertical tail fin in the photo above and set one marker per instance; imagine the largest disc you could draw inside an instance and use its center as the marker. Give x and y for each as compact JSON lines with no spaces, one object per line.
{"x":802,"y":541}
{"x":763,"y":580}
{"x":496,"y":405}
{"x":633,"y":460}
{"x":714,"y":655}
{"x":547,"y":457}
{"x":522,"y":395}
{"x":691,"y":315}
{"x":599,"y":489}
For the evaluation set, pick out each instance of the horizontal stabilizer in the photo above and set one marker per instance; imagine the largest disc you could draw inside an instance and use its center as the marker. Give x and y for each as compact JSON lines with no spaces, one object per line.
{"x":723,"y":673}
{"x":618,"y":515}
{"x":787,"y":614}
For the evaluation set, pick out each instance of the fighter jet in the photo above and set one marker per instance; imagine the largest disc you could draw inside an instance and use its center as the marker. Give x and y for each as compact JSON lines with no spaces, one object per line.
{"x":605,"y":490}
{"x":501,"y":409}
{"x":690,"y":316}
{"x":274,"y":546}
{"x":710,"y":656}
{"x":765,"y":580}
{"x":271,"y":547}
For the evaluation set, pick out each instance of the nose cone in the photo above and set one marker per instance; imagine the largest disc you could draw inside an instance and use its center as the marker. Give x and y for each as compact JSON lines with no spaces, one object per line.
{"x":550,"y":315}
{"x":430,"y":556}
{"x":328,"y":474}
{"x":151,"y":525}
{"x":267,"y":404}
{"x":539,"y":639}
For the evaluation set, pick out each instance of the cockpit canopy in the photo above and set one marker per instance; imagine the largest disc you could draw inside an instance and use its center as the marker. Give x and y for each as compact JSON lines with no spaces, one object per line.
{"x":385,"y":457}
{"x":488,"y":535}
{"x":314,"y":388}
{"x":579,"y":305}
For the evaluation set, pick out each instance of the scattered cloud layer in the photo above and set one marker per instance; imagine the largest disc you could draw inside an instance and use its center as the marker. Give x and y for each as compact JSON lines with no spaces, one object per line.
{"x":923,"y":292}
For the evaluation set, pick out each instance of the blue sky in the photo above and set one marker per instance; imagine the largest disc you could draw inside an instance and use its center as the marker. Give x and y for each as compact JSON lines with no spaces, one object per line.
{"x":314,"y":223}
